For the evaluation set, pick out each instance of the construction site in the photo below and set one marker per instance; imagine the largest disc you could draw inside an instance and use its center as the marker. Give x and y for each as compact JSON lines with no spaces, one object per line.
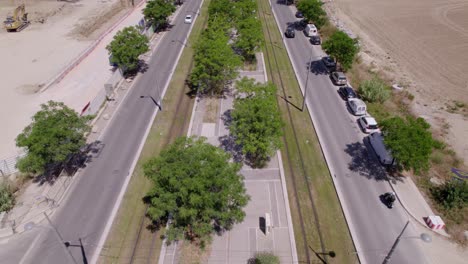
{"x":38,"y":40}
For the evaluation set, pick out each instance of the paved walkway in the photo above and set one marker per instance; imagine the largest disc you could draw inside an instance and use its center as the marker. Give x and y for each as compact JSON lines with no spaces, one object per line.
{"x":266,"y":187}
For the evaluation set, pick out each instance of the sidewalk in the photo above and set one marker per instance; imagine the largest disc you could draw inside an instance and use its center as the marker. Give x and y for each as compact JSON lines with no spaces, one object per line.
{"x":266,"y":187}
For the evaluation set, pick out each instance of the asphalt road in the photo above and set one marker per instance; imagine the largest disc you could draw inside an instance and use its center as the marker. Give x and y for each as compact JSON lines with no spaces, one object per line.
{"x":357,"y":174}
{"x":89,"y":205}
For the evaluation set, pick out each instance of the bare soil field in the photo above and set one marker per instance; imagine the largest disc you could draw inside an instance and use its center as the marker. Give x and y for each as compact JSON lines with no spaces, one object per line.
{"x":422,"y":45}
{"x":59,"y":32}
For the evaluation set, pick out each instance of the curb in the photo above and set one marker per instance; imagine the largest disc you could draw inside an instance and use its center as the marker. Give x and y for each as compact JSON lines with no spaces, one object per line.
{"x":421,"y":223}
{"x":344,"y":209}
{"x":77,"y":60}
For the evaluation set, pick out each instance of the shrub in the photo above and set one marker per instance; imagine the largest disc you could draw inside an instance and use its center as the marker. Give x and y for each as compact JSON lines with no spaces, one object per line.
{"x":452,"y":194}
{"x":374,"y":90}
{"x":265,"y":258}
{"x":6,"y":198}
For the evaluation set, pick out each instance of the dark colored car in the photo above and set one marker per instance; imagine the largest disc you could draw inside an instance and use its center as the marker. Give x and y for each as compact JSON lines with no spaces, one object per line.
{"x":290,"y":32}
{"x":315,"y":40}
{"x":299,"y":14}
{"x":347,"y":92}
{"x":329,"y":62}
{"x":300,"y":24}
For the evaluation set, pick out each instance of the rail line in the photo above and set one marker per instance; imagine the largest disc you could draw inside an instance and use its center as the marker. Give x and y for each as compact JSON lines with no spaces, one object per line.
{"x":278,"y":79}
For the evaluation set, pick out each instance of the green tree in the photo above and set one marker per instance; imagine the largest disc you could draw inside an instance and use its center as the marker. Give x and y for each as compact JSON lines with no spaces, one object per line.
{"x":244,"y":9}
{"x":157,"y":11}
{"x":452,"y":194}
{"x":55,"y":133}
{"x":250,"y":37}
{"x":215,"y":62}
{"x":196,"y":186}
{"x":342,"y":47}
{"x":6,"y":198}
{"x":128,"y":44}
{"x":374,"y":90}
{"x":256,"y":121}
{"x":313,"y":12}
{"x":410,"y":141}
{"x":265,"y":258}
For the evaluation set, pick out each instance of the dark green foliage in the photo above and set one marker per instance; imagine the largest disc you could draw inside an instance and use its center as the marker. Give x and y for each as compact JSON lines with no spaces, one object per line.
{"x":313,"y":12}
{"x":250,"y":37}
{"x":256,"y":121}
{"x":410,"y":141}
{"x":157,"y":11}
{"x":215,"y":62}
{"x":265,"y":258}
{"x":374,"y":90}
{"x":342,"y":47}
{"x":55,"y":133}
{"x":245,"y":9}
{"x":6,"y":198}
{"x":452,"y":194}
{"x":195,"y":184}
{"x":128,"y":44}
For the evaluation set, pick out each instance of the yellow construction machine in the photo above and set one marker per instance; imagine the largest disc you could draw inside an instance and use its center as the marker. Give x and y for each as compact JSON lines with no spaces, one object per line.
{"x":18,"y":21}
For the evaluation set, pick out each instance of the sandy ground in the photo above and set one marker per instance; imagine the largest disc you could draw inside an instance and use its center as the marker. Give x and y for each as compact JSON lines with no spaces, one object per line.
{"x":59,"y":32}
{"x":423,"y":45}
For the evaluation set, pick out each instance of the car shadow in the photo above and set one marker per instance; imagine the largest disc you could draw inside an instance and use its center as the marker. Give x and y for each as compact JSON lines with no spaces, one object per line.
{"x":318,"y":68}
{"x":364,"y":161}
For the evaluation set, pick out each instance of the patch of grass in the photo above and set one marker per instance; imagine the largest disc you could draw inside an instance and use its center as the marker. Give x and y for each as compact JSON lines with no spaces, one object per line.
{"x":119,"y":244}
{"x":327,"y":30}
{"x":333,"y":226}
{"x":211,"y":109}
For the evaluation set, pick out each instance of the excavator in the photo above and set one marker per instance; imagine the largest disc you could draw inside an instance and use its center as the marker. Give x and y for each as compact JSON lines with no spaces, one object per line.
{"x":18,"y":21}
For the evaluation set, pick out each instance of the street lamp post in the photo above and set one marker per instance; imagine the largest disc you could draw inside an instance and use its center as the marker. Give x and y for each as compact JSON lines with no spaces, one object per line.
{"x":307,"y":81}
{"x":424,"y":237}
{"x":31,"y":225}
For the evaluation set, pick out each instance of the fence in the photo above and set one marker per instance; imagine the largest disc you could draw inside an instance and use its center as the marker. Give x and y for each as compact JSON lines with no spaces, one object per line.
{"x":8,"y":165}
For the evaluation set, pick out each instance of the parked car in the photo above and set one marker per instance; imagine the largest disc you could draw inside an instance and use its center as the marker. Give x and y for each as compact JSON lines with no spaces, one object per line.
{"x":188,"y":19}
{"x":315,"y":40}
{"x":347,"y":92}
{"x":384,"y":155}
{"x":338,"y":78}
{"x":310,"y":30}
{"x":357,"y":107}
{"x":368,"y":124}
{"x":290,"y":32}
{"x":299,"y":14}
{"x":300,"y":24}
{"x":329,"y":62}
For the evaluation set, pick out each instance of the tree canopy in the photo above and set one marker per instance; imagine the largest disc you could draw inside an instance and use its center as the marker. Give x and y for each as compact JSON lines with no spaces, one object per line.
{"x":216,"y":63}
{"x":342,"y":47}
{"x":128,"y":44}
{"x":256,"y":121}
{"x":250,"y":37}
{"x":55,"y":133}
{"x":410,"y":141}
{"x":313,"y":12}
{"x":196,"y":186}
{"x":157,"y":11}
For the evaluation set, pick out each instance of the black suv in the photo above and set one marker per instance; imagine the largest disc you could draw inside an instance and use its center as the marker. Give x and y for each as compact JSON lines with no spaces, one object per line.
{"x":347,"y":93}
{"x":290,"y":32}
{"x":315,"y":40}
{"x":329,"y":63}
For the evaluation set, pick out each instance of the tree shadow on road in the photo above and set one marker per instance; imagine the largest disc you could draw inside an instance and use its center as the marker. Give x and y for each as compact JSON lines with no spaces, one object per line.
{"x":73,"y":163}
{"x":364,"y":161}
{"x":317,"y":68}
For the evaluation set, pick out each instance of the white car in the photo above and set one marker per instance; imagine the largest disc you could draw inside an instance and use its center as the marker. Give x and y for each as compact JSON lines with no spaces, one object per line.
{"x":368,"y":124}
{"x":188,"y":19}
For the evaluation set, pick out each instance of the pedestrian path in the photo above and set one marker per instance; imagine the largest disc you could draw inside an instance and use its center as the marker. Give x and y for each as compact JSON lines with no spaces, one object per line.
{"x":266,"y":188}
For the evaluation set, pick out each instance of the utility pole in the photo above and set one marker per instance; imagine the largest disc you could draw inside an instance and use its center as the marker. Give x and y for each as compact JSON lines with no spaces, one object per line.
{"x":307,"y":81}
{"x":59,"y":237}
{"x":389,"y":255}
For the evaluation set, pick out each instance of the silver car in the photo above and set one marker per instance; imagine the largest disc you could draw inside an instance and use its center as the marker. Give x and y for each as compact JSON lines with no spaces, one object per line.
{"x":338,"y":78}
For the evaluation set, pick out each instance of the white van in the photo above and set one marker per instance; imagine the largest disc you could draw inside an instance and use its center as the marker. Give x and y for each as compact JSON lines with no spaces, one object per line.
{"x":377,"y":143}
{"x":357,"y":106}
{"x":310,"y":30}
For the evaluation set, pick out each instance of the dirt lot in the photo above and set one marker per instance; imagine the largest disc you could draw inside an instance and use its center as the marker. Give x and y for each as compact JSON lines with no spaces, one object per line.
{"x":423,"y":45}
{"x":59,"y":32}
